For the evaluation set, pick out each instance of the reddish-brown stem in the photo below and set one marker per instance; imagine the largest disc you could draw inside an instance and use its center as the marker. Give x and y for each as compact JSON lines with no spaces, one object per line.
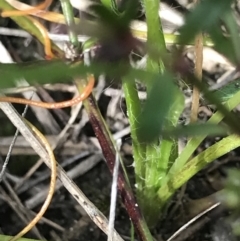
{"x":109,"y":153}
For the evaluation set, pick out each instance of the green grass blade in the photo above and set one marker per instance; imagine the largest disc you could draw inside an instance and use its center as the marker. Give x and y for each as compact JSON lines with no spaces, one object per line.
{"x":139,"y":149}
{"x":228,"y":91}
{"x":69,"y":18}
{"x":193,"y":143}
{"x":7,"y":238}
{"x":42,"y":72}
{"x":192,"y":130}
{"x":196,"y":164}
{"x":162,"y":113}
{"x":158,"y":105}
{"x":155,"y":36}
{"x":111,"y":4}
{"x":45,"y":72}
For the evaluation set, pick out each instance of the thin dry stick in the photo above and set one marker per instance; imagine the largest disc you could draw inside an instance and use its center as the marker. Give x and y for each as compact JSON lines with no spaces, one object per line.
{"x":186,"y":225}
{"x":198,"y":73}
{"x":30,"y":172}
{"x":4,"y":167}
{"x":113,"y":198}
{"x":99,"y":219}
{"x":73,"y":117}
{"x":47,"y":202}
{"x":18,"y":207}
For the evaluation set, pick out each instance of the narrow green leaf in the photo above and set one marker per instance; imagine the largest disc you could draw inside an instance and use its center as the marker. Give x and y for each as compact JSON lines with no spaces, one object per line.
{"x":111,"y":4}
{"x":69,"y":19}
{"x":167,"y":148}
{"x":192,"y":130}
{"x":196,"y":164}
{"x":228,"y":91}
{"x":139,"y":149}
{"x":155,"y":37}
{"x":44,"y":72}
{"x":7,"y":238}
{"x":41,"y":71}
{"x":156,"y":108}
{"x":194,"y":142}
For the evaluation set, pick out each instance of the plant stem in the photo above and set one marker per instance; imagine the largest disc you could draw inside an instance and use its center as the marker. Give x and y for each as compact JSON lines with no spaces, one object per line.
{"x":155,"y":36}
{"x":69,"y":19}
{"x":156,"y":44}
{"x":139,"y":149}
{"x":109,"y":152}
{"x":198,"y":73}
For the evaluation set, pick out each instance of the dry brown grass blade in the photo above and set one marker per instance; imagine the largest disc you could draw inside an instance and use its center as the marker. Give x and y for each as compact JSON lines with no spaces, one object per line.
{"x":56,"y":105}
{"x":48,"y":199}
{"x":198,"y":73}
{"x":99,"y":219}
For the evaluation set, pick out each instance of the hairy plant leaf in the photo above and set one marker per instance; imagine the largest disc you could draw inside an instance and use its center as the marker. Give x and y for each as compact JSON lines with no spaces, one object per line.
{"x":41,"y":71}
{"x":192,"y":130}
{"x":158,"y":103}
{"x":44,"y":72}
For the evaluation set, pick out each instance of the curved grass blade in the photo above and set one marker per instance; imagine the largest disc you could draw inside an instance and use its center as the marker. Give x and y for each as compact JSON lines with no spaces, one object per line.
{"x":29,"y":26}
{"x":193,"y":143}
{"x":196,"y":164}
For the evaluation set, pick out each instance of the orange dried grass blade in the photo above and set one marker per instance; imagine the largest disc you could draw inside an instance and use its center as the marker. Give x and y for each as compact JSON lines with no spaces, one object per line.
{"x":29,"y":11}
{"x":86,"y":92}
{"x":47,"y":42}
{"x":40,"y":27}
{"x":52,"y":182}
{"x":48,"y":16}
